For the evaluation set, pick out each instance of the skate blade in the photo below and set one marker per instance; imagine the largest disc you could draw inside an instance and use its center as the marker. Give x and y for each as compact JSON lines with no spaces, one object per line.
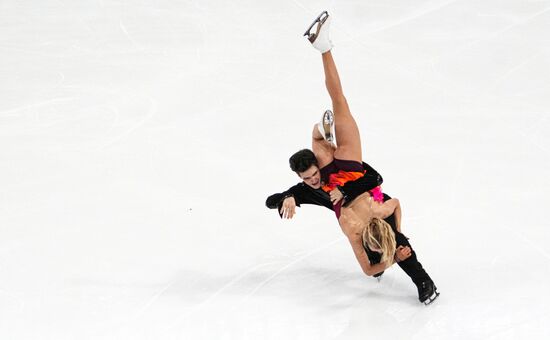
{"x":320,"y":20}
{"x":432,"y":298}
{"x":379,"y":276}
{"x":328,"y":121}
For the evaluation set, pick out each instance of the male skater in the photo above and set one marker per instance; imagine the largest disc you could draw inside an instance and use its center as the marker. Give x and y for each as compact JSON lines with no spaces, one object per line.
{"x":334,"y":177}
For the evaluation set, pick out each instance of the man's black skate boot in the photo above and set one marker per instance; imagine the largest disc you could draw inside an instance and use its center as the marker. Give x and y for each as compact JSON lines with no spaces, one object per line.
{"x":427,"y":292}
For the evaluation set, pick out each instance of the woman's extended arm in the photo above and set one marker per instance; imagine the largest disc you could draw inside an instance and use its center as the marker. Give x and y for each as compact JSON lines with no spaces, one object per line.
{"x":384,"y":210}
{"x":361,"y":256}
{"x":397,"y":213}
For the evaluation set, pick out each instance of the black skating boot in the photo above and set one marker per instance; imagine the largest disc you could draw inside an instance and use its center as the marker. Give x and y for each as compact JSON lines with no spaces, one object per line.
{"x":427,"y":292}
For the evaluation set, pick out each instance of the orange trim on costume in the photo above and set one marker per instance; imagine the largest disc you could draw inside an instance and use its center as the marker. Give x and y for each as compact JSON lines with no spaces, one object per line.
{"x":340,"y":178}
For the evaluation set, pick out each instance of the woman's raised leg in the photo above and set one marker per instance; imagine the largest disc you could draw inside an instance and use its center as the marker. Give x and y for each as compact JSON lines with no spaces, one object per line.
{"x":348,"y":139}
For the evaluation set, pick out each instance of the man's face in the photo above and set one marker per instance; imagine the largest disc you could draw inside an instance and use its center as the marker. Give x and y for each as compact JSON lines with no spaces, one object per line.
{"x":311,"y":177}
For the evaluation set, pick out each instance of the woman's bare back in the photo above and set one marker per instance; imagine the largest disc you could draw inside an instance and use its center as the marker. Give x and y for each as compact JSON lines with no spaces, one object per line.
{"x":358,"y":213}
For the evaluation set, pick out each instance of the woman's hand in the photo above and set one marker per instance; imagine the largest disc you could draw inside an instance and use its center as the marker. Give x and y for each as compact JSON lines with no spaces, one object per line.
{"x":402,"y":253}
{"x":288,"y":209}
{"x":335,"y":196}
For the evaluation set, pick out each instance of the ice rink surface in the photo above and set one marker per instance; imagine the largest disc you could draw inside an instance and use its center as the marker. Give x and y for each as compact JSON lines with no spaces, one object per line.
{"x":139,"y":140}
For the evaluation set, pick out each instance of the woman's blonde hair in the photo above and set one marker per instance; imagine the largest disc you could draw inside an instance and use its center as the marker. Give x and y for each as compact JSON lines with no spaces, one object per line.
{"x":378,"y":234}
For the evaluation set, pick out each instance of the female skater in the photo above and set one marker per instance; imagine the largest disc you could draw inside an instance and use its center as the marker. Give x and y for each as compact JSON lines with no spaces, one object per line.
{"x":335,"y":177}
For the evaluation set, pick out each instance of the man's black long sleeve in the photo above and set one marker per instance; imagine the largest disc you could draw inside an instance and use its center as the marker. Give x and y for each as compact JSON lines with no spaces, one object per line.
{"x":304,"y":194}
{"x":369,"y":181}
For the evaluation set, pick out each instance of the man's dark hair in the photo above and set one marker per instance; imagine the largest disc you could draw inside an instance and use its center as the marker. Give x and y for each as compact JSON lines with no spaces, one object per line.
{"x":302,"y":160}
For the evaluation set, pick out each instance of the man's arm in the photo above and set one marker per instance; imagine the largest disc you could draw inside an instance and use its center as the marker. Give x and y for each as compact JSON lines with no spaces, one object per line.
{"x":369,"y":181}
{"x":274,"y":201}
{"x":292,"y":196}
{"x":295,"y":196}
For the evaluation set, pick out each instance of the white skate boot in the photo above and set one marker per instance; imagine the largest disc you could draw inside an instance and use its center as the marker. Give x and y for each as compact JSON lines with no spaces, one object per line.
{"x":320,"y":39}
{"x":326,"y":126}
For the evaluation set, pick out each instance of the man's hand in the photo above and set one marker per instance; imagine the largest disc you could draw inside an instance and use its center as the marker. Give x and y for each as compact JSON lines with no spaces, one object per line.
{"x":289,"y":207}
{"x":402,"y":253}
{"x":335,"y":196}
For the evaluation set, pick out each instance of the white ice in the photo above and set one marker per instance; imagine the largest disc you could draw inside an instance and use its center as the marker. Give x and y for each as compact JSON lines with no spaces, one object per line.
{"x":139,"y":140}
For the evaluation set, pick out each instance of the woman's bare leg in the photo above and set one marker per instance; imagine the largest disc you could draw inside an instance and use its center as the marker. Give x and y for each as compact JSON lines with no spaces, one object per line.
{"x":323,"y":150}
{"x":347,"y":133}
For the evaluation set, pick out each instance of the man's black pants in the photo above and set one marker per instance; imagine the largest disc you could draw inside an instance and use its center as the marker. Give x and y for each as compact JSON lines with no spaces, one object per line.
{"x":410,"y":266}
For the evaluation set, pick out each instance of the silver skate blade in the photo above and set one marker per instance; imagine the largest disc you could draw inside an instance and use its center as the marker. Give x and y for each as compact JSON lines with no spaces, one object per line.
{"x":328,"y":121}
{"x":320,"y":19}
{"x":432,"y":298}
{"x":379,"y":276}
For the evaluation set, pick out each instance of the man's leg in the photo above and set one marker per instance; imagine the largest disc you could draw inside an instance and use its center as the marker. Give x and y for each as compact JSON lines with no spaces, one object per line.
{"x":427,"y":292}
{"x":411,"y":266}
{"x":347,"y":133}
